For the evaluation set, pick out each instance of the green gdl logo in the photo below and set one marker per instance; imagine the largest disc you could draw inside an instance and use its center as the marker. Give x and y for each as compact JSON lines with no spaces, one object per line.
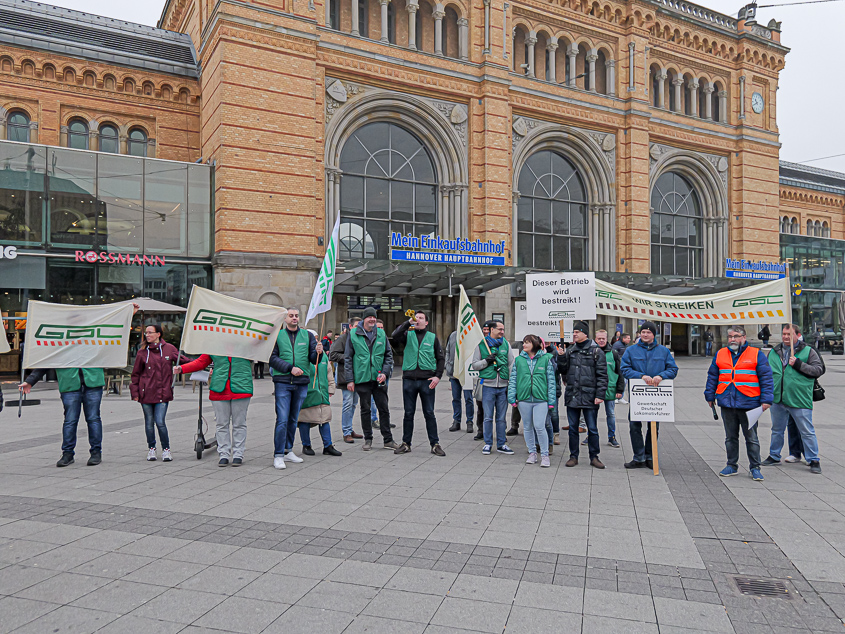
{"x":99,"y":334}
{"x":764,"y":300}
{"x":228,"y":322}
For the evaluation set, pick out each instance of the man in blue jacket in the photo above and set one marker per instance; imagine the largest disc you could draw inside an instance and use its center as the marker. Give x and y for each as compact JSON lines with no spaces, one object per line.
{"x":651,"y":362}
{"x":740,"y":379}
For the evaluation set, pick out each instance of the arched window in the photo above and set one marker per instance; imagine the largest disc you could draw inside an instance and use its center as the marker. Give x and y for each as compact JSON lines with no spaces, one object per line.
{"x":793,"y":226}
{"x":656,"y":81}
{"x":551,"y":226}
{"x":137,"y":142}
{"x":17,"y":127}
{"x":676,"y":218}
{"x":825,"y":230}
{"x":388,"y":185}
{"x":108,"y":139}
{"x":77,"y":134}
{"x":784,"y":224}
{"x":809,"y":227}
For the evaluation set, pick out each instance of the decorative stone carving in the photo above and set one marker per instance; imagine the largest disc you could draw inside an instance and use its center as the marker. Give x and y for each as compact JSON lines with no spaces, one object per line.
{"x":345,"y":90}
{"x":520,"y":126}
{"x":609,"y":143}
{"x":655,"y":151}
{"x":458,"y":115}
{"x":337,"y":91}
{"x":722,"y":165}
{"x":604,"y":143}
{"x":455,"y":113}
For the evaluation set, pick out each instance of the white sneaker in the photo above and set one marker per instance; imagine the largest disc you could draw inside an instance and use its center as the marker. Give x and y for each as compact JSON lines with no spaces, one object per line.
{"x":279,"y":462}
{"x":151,"y":455}
{"x":165,"y":455}
{"x":791,"y":459}
{"x":622,"y":400}
{"x":292,"y":457}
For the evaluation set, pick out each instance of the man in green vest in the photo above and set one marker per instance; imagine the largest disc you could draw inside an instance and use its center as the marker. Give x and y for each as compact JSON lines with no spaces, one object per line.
{"x":493,"y":360}
{"x":368,"y":362}
{"x":615,"y":386}
{"x":422,"y":369}
{"x":795,"y":368}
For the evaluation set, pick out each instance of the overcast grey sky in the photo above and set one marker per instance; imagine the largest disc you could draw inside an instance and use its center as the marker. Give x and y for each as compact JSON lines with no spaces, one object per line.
{"x":811,"y":98}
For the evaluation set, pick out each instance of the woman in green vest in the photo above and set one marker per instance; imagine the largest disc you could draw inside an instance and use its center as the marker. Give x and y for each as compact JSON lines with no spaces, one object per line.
{"x":532,"y":389}
{"x":316,"y":409}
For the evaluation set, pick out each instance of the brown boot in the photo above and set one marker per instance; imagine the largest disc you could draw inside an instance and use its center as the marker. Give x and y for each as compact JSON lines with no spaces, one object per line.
{"x":348,"y":439}
{"x":595,"y":462}
{"x":355,"y":434}
{"x":572,"y":462}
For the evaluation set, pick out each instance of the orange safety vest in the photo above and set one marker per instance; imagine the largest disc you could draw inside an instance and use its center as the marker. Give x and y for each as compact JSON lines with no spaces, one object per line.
{"x":743,"y":375}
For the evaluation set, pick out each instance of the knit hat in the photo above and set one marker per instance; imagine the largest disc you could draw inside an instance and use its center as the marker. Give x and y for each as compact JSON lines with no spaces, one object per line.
{"x":369,"y":311}
{"x":489,"y":323}
{"x":581,"y":326}
{"x":649,"y":325}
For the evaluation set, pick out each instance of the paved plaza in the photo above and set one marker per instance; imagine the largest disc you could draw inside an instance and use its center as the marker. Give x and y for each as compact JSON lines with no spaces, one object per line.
{"x":373,"y":542}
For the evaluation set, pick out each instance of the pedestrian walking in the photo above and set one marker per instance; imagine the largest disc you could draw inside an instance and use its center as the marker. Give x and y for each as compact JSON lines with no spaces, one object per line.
{"x":230,"y":391}
{"x":258,"y":369}
{"x":493,"y":360}
{"x":584,"y":372}
{"x":764,"y":335}
{"x":531,"y":388}
{"x":368,"y":363}
{"x":461,"y":398}
{"x":292,"y":362}
{"x":740,"y":379}
{"x":794,"y":374}
{"x":651,"y":362}
{"x":422,"y":368}
{"x":152,"y":386}
{"x":350,"y":399}
{"x":708,"y":343}
{"x":615,"y":386}
{"x":316,"y":408}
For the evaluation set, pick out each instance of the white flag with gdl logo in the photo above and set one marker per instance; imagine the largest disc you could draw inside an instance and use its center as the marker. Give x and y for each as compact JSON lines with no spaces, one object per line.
{"x":229,"y":327}
{"x":65,"y":336}
{"x":321,"y":300}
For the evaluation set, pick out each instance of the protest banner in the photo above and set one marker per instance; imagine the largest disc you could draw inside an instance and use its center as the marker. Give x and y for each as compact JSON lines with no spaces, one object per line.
{"x":652,"y":404}
{"x":548,"y":333}
{"x":469,"y":337}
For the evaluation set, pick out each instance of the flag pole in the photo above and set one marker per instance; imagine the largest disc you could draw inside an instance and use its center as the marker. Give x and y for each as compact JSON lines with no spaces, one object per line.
{"x":21,"y":395}
{"x":322,"y":325}
{"x":789,"y":310}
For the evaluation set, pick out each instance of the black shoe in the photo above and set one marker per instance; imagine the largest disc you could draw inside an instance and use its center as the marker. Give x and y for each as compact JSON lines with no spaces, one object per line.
{"x":634,"y":465}
{"x":403,"y":448}
{"x":331,"y":451}
{"x":65,"y":460}
{"x":513,"y":431}
{"x":237,"y":462}
{"x":456,"y":426}
{"x":224,"y":462}
{"x":95,"y":459}
{"x":469,"y":428}
{"x":307,"y":450}
{"x":392,"y":426}
{"x":437,"y":450}
{"x":479,"y":435}
{"x":815,"y":467}
{"x":649,"y":463}
{"x":768,"y":462}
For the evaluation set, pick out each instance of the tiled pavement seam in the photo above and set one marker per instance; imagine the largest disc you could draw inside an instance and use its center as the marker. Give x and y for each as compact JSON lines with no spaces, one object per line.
{"x":731,"y":542}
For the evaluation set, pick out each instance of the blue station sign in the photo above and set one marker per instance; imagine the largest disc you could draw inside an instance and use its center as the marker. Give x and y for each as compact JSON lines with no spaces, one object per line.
{"x":754,"y":269}
{"x":437,"y":250}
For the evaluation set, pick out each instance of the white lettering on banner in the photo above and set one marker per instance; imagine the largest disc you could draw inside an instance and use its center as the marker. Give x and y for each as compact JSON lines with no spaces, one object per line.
{"x":652,"y":402}
{"x":10,"y":253}
{"x":551,"y":297}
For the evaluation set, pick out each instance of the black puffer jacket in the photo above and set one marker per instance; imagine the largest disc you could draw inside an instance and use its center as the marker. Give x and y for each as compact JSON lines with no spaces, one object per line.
{"x":583,"y":368}
{"x":336,"y":354}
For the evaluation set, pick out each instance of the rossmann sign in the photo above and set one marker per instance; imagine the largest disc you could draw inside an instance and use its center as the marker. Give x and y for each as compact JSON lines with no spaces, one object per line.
{"x":105,"y":257}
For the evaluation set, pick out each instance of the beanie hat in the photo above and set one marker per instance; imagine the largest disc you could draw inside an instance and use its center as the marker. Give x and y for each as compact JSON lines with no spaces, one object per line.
{"x":369,"y":311}
{"x":489,"y":323}
{"x":581,"y":326}
{"x":649,"y":325}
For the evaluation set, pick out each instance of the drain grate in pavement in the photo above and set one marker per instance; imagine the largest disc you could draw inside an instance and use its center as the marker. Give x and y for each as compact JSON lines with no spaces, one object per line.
{"x":754,"y":587}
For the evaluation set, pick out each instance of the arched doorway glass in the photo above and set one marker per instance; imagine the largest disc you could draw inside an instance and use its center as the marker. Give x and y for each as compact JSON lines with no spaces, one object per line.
{"x":388,"y":184}
{"x":551,"y":225}
{"x":676,"y":232}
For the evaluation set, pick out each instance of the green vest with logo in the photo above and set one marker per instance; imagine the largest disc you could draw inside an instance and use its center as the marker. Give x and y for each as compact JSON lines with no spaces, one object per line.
{"x":238,"y":373}
{"x":612,"y":377}
{"x":296,"y":354}
{"x":792,"y":388}
{"x":532,"y":386}
{"x":419,"y":355}
{"x":500,"y":366}
{"x":69,"y":378}
{"x":318,"y":391}
{"x":366,"y":363}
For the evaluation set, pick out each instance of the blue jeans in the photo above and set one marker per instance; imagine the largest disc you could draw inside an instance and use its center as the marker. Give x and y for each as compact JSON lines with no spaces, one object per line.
{"x":494,"y":397}
{"x":88,"y":400}
{"x":154,"y":414}
{"x":534,"y":416}
{"x":325,"y":434}
{"x":610,"y":412}
{"x":289,"y":400}
{"x":457,"y":390}
{"x":350,"y":402}
{"x":591,"y":415}
{"x":804,"y":420}
{"x":708,"y":348}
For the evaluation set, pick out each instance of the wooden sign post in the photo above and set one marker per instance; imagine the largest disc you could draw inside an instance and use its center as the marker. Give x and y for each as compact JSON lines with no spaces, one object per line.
{"x":652,"y":403}
{"x":654,"y":459}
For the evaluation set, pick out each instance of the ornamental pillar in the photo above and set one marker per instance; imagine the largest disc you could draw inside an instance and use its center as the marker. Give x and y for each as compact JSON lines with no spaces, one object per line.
{"x":662,"y":76}
{"x":354,"y":16}
{"x":693,"y":96}
{"x":551,"y":47}
{"x":413,"y":7}
{"x":531,"y":40}
{"x":438,"y":14}
{"x":384,"y":36}
{"x":611,"y":77}
{"x":463,"y":38}
{"x":591,"y":69}
{"x":571,"y":53}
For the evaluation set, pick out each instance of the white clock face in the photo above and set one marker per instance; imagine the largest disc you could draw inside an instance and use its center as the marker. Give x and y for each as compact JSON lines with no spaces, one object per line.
{"x":757,"y":102}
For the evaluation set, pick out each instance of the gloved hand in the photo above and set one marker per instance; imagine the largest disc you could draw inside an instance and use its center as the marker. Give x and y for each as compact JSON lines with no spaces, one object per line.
{"x":491,"y":359}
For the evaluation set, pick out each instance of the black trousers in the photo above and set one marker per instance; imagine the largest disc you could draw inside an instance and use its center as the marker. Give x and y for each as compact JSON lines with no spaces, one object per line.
{"x":516,"y":417}
{"x":411,"y":388}
{"x":378,"y":393}
{"x":734,"y":420}
{"x":479,"y":416}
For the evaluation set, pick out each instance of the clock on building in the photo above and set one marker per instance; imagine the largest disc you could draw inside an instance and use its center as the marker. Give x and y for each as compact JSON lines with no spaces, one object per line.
{"x":757,"y":102}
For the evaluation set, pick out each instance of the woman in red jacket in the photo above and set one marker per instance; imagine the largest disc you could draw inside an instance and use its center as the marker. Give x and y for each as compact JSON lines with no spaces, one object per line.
{"x":152,"y":386}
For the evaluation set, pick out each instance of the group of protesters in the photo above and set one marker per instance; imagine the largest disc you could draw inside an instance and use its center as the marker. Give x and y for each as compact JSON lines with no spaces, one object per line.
{"x":529,"y":380}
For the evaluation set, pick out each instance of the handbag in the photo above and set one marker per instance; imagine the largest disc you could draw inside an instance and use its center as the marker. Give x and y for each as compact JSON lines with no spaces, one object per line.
{"x":818,"y":391}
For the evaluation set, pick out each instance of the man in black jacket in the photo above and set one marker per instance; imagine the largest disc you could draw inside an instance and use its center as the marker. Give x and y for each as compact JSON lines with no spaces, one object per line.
{"x":584,"y":371}
{"x":350,"y":399}
{"x":422,"y":368}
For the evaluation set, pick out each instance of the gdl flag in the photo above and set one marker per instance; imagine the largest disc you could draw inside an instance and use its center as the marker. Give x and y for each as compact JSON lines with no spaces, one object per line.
{"x":228,"y":327}
{"x":64,"y":336}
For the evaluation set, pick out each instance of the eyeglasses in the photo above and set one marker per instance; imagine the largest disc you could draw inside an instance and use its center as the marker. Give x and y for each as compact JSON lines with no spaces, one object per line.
{"x":735,"y":336}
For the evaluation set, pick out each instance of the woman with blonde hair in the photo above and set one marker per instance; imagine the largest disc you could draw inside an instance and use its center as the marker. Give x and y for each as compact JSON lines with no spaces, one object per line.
{"x":532,"y":389}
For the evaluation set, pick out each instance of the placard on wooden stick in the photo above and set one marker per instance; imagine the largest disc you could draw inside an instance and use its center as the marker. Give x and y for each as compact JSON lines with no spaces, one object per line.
{"x":652,"y":404}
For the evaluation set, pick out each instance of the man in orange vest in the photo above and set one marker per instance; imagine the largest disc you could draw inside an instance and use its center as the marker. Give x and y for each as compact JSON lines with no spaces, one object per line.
{"x":740,"y":379}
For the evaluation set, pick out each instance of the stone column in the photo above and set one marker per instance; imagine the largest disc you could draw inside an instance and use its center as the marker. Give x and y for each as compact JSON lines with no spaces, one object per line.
{"x":591,"y":61}
{"x":611,"y":77}
{"x":631,"y":84}
{"x":661,"y":88}
{"x":124,"y":143}
{"x":354,"y":17}
{"x":514,"y":216}
{"x":693,"y":95}
{"x":595,"y":238}
{"x":741,"y":99}
{"x":571,"y":52}
{"x":486,"y":50}
{"x":33,"y":132}
{"x":678,"y":84}
{"x":708,"y":100}
{"x":609,"y":256}
{"x":463,"y":38}
{"x":151,"y":148}
{"x":645,"y":70}
{"x":384,"y":38}
{"x":413,"y":7}
{"x":723,"y":106}
{"x":438,"y":14}
{"x":552,"y":48}
{"x":531,"y":40}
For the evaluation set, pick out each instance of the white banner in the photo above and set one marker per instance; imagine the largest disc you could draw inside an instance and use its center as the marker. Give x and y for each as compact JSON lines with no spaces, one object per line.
{"x":4,"y":343}
{"x":555,"y":296}
{"x":321,"y":300}
{"x":468,"y":339}
{"x":548,"y":333}
{"x":64,"y":336}
{"x":229,"y":327}
{"x":652,"y":403}
{"x":762,"y":303}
